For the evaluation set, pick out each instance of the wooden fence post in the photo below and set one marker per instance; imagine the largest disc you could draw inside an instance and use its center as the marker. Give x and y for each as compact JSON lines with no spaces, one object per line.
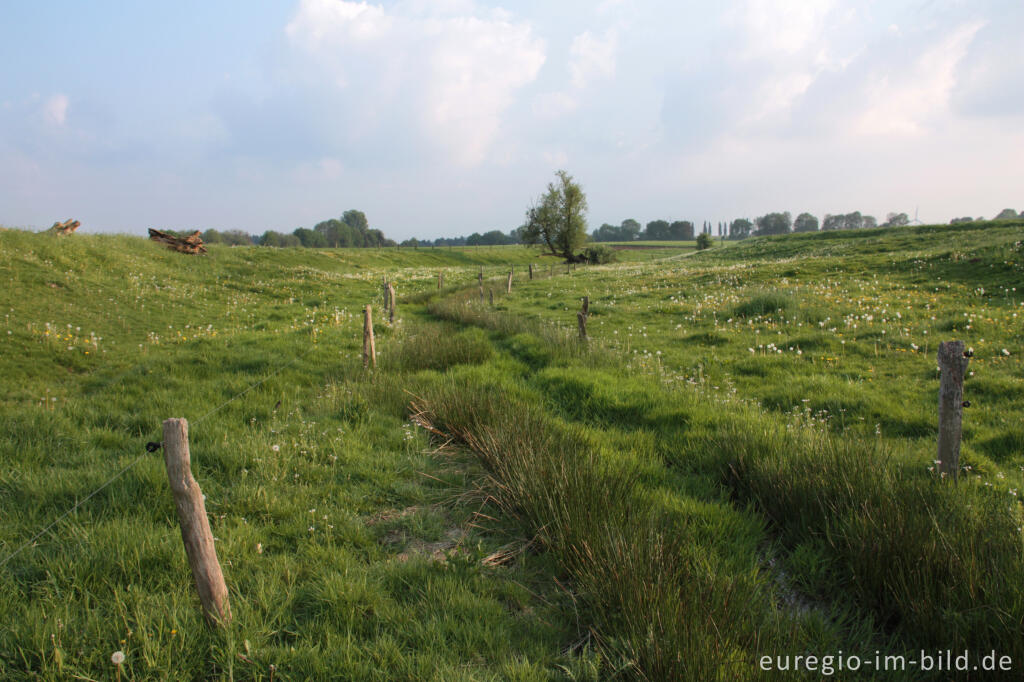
{"x":195,"y":526}
{"x":953,"y":364}
{"x":508,"y":287}
{"x":581,"y":318}
{"x":369,"y":349}
{"x":440,"y":280}
{"x":531,"y":270}
{"x":384,"y":284}
{"x":480,"y":280}
{"x":490,"y":294}
{"x":567,"y":267}
{"x":391,"y":303}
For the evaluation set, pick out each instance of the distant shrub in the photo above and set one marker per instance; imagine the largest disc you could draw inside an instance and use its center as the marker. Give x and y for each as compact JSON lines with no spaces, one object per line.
{"x":598,"y":254}
{"x":703,"y":241}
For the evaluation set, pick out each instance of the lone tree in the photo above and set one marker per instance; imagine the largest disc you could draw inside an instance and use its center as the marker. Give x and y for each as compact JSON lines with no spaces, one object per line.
{"x":557,"y":220}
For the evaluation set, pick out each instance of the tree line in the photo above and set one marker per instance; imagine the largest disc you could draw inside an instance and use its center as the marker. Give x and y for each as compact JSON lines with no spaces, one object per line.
{"x":352,"y":229}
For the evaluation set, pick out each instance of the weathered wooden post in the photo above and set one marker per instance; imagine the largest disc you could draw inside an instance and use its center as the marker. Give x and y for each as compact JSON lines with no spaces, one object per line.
{"x":490,"y":295}
{"x":508,"y":287}
{"x":195,"y":526}
{"x":581,"y":318}
{"x":391,"y":303}
{"x":531,"y":270}
{"x":384,"y":284}
{"x":369,"y":349}
{"x":567,"y":266}
{"x":480,"y":280}
{"x":952,"y":364}
{"x":440,"y":280}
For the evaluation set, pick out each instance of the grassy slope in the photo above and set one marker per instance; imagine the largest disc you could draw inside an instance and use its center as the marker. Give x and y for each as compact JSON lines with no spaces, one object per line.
{"x":862,"y":526}
{"x":842,"y":325}
{"x":326,"y":508}
{"x":681,"y":434}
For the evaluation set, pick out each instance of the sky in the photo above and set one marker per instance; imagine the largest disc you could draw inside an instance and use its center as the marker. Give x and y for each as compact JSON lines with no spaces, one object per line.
{"x":447,"y":117}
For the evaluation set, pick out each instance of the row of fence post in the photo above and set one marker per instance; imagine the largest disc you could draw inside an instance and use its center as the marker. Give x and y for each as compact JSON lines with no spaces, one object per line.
{"x":191,"y":508}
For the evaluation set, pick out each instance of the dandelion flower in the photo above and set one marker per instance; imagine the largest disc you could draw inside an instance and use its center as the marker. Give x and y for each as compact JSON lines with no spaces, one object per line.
{"x":117,"y":658}
{"x":275,"y":448}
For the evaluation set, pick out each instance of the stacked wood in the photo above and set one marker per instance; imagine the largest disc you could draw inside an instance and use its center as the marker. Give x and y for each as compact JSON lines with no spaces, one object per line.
{"x":190,"y":244}
{"x":66,"y":227}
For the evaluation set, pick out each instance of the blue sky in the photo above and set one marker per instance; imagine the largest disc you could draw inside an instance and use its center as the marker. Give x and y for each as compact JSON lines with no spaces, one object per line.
{"x":447,"y":117}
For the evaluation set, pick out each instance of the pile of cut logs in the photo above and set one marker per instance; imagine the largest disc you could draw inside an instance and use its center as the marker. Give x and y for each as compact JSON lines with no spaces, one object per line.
{"x":190,"y":244}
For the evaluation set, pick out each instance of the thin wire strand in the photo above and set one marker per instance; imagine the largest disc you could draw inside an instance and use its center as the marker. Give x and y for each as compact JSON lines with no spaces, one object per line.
{"x":140,"y":457}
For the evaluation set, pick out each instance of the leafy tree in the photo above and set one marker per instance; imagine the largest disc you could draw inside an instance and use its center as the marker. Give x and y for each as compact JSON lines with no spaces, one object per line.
{"x":703,"y":241}
{"x":853,"y":221}
{"x":896,"y":220}
{"x":656,"y":229}
{"x":959,"y":221}
{"x":681,"y":230}
{"x":356,"y":220}
{"x":773,"y":223}
{"x":869,"y":222}
{"x":557,"y":220}
{"x":1006,"y":214}
{"x":606,"y":233}
{"x":740,"y":228}
{"x":310,"y":238}
{"x":805,"y":222}
{"x":631,"y":229}
{"x":278,"y":239}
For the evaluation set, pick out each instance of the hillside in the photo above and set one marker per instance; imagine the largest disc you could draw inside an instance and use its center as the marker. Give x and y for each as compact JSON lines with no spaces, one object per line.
{"x":737,"y":463}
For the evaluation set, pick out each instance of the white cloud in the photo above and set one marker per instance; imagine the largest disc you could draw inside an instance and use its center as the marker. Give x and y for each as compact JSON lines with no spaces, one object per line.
{"x":55,"y":109}
{"x":452,"y":69}
{"x":904,"y":102}
{"x":554,"y":104}
{"x":592,"y":57}
{"x":782,"y":26}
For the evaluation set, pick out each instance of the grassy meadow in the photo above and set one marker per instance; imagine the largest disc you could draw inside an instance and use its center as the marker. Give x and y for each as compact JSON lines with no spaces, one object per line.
{"x":738,"y":463}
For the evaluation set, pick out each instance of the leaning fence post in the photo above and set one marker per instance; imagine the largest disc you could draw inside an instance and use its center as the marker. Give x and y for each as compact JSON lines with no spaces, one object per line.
{"x":195,"y":526}
{"x":369,"y":349}
{"x":508,"y":287}
{"x":952,"y":364}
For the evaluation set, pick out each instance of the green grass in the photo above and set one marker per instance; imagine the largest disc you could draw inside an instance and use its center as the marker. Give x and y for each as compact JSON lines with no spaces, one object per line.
{"x":736,"y":464}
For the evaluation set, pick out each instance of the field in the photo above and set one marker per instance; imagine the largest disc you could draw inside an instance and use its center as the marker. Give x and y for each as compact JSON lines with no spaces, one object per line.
{"x":738,"y":463}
